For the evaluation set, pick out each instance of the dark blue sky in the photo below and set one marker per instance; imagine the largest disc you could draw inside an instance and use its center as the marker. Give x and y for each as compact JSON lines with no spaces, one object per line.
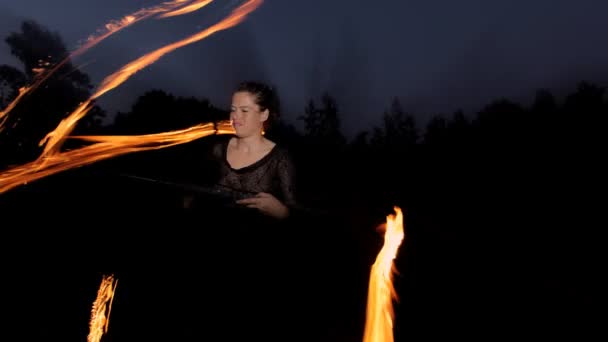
{"x":436,"y":56}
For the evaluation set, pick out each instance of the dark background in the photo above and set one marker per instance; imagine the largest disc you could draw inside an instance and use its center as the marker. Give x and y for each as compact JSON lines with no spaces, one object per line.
{"x":502,"y":214}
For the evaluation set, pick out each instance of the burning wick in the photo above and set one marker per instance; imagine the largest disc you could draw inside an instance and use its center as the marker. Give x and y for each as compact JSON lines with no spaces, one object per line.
{"x":381,"y":292}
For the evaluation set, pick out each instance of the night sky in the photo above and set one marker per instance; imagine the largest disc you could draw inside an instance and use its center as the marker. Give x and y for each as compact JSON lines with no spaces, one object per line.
{"x":436,"y":56}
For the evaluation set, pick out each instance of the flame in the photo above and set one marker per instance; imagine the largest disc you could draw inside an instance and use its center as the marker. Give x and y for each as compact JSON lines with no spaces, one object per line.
{"x":52,"y":160}
{"x":112,"y":27}
{"x":187,"y":8}
{"x":100,"y":314}
{"x":128,"y":70}
{"x":381,"y":292}
{"x":105,"y":147}
{"x":55,"y":139}
{"x":4,"y":113}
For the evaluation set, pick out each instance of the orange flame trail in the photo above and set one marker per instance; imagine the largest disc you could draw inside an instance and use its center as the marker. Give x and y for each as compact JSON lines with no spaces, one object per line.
{"x":104,"y":148}
{"x":102,"y":307}
{"x":172,"y":8}
{"x":381,"y":292}
{"x":52,"y":160}
{"x":54,"y":139}
{"x":187,"y":8}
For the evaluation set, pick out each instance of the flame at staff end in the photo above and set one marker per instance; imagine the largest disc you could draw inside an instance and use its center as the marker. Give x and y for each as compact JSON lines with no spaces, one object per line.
{"x":381,"y":292}
{"x":100,"y":314}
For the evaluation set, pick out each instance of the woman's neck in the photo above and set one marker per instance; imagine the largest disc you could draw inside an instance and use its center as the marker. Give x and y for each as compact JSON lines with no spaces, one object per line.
{"x":249,"y":144}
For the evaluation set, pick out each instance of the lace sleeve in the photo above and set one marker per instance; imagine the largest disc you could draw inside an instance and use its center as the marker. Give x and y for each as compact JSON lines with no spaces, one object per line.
{"x":287,"y":180}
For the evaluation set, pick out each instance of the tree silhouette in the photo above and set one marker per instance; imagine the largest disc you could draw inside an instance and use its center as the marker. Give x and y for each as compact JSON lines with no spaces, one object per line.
{"x":322,"y":124}
{"x":584,"y":117}
{"x":544,"y":103}
{"x":498,"y":125}
{"x":399,"y":128}
{"x":586,"y":101}
{"x":158,"y":111}
{"x":37,"y":114}
{"x":436,"y":131}
{"x":11,"y":79}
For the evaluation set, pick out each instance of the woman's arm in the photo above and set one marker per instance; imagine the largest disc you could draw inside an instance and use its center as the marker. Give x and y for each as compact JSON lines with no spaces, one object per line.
{"x":270,"y":204}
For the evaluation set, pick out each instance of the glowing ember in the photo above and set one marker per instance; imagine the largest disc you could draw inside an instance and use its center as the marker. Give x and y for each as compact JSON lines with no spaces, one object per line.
{"x":381,"y":292}
{"x":100,"y":314}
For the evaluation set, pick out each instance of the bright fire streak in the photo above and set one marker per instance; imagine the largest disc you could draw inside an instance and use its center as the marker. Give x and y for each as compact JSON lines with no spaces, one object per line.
{"x":3,"y":114}
{"x":105,"y":147}
{"x":55,"y":138}
{"x":381,"y":292}
{"x":187,"y":9}
{"x":100,"y":314}
{"x":173,"y":9}
{"x":52,"y":160}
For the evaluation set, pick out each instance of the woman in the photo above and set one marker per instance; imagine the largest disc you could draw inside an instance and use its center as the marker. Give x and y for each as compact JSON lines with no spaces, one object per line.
{"x":261,"y":173}
{"x":250,"y":163}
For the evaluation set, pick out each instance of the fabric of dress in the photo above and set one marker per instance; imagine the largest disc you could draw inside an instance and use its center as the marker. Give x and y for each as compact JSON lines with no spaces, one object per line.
{"x":274,"y":173}
{"x":253,"y":269}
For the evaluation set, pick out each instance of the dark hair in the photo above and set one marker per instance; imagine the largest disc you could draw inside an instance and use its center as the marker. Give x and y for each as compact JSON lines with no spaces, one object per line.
{"x":265,"y":96}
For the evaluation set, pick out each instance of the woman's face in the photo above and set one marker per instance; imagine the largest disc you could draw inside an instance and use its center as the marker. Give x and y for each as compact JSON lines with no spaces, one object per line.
{"x":246,"y":116}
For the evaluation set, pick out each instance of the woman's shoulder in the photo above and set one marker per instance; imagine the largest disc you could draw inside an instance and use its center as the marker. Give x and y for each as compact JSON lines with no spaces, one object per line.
{"x":277,"y":149}
{"x":282,"y":154}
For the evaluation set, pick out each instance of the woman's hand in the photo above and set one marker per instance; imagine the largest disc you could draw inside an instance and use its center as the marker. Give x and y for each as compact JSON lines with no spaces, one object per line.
{"x":187,"y":202}
{"x":267,"y":204}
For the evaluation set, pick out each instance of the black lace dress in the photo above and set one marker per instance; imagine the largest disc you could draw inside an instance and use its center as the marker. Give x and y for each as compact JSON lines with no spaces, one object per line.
{"x":252,"y":244}
{"x":274,"y":173}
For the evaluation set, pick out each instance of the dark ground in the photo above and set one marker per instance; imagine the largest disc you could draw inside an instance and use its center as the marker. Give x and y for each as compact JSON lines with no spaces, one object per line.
{"x":198,"y":273}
